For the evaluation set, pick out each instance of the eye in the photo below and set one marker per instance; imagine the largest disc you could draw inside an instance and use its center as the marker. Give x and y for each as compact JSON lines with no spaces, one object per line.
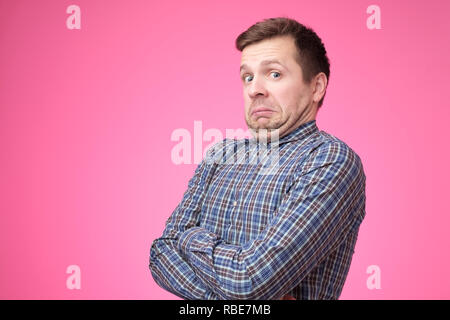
{"x":276,"y":73}
{"x":245,"y":77}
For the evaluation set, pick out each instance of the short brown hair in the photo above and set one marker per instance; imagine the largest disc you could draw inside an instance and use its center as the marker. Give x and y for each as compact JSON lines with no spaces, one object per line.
{"x":312,"y":56}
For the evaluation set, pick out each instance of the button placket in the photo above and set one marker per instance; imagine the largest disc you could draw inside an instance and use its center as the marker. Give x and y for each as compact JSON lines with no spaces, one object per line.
{"x":234,"y":211}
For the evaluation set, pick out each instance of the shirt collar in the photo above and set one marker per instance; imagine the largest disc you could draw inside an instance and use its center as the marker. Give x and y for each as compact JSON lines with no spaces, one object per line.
{"x":301,"y":132}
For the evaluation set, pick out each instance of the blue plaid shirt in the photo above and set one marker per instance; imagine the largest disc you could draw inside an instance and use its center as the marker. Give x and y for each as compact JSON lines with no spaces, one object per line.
{"x":240,"y":233}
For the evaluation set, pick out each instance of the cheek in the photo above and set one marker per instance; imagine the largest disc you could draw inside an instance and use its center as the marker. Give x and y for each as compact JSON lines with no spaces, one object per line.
{"x":247,"y":103}
{"x":285,"y":100}
{"x":247,"y":106}
{"x":290,"y":99}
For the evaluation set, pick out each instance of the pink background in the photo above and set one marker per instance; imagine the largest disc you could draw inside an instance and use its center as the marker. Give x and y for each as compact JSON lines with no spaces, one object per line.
{"x":86,"y":116}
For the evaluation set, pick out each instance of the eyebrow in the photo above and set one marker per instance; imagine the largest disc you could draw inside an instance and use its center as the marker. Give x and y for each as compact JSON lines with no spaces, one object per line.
{"x":263,"y":63}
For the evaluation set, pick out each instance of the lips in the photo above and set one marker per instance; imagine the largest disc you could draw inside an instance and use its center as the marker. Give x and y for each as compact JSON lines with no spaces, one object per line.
{"x":262,"y":111}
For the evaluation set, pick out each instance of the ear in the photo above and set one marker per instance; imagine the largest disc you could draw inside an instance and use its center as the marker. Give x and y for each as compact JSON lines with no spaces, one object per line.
{"x":319,"y":83}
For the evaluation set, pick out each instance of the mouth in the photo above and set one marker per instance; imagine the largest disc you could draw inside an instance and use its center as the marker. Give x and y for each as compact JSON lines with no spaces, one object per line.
{"x":262,"y":112}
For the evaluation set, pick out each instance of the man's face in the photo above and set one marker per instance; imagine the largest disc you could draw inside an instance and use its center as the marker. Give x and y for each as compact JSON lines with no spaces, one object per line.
{"x":275,"y":95}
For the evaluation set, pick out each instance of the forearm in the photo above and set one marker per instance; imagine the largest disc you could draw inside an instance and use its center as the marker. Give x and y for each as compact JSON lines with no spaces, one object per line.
{"x":174,"y":274}
{"x":167,"y":266}
{"x":221,"y":266}
{"x":263,"y":270}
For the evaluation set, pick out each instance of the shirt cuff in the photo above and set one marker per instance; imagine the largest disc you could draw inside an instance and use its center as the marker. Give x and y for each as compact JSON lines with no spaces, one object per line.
{"x":196,"y":239}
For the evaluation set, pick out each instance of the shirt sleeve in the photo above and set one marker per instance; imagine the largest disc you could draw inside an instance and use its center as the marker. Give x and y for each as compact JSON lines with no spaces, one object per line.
{"x":169,"y":270}
{"x":315,"y":216}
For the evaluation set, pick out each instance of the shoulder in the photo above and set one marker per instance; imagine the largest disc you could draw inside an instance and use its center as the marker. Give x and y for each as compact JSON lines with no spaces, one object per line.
{"x":328,"y":150}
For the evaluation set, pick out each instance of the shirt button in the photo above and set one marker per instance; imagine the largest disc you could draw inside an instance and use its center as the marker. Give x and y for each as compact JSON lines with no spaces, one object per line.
{"x":234,"y":203}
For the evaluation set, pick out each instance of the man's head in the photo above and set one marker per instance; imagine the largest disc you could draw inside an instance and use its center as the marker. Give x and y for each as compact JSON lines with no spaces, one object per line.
{"x":286,"y":94}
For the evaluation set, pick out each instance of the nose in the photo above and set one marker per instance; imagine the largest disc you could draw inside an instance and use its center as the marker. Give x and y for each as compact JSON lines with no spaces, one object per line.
{"x":257,"y":87}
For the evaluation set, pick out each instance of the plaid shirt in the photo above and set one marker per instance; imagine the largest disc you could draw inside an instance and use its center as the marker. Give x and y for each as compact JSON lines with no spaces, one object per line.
{"x":242,"y":234}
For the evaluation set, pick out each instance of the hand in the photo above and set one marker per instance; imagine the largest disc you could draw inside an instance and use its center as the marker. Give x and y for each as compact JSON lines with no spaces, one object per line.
{"x":287,"y":297}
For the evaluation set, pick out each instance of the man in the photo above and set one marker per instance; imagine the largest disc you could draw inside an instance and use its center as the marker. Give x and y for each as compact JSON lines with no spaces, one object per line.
{"x":241,"y":233}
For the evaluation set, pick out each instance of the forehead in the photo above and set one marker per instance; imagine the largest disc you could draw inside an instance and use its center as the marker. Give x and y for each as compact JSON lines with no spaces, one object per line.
{"x":279,"y":49}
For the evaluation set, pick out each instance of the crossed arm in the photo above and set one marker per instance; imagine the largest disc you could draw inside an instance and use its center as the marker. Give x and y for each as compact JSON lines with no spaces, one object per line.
{"x":314,"y":218}
{"x":169,"y":269}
